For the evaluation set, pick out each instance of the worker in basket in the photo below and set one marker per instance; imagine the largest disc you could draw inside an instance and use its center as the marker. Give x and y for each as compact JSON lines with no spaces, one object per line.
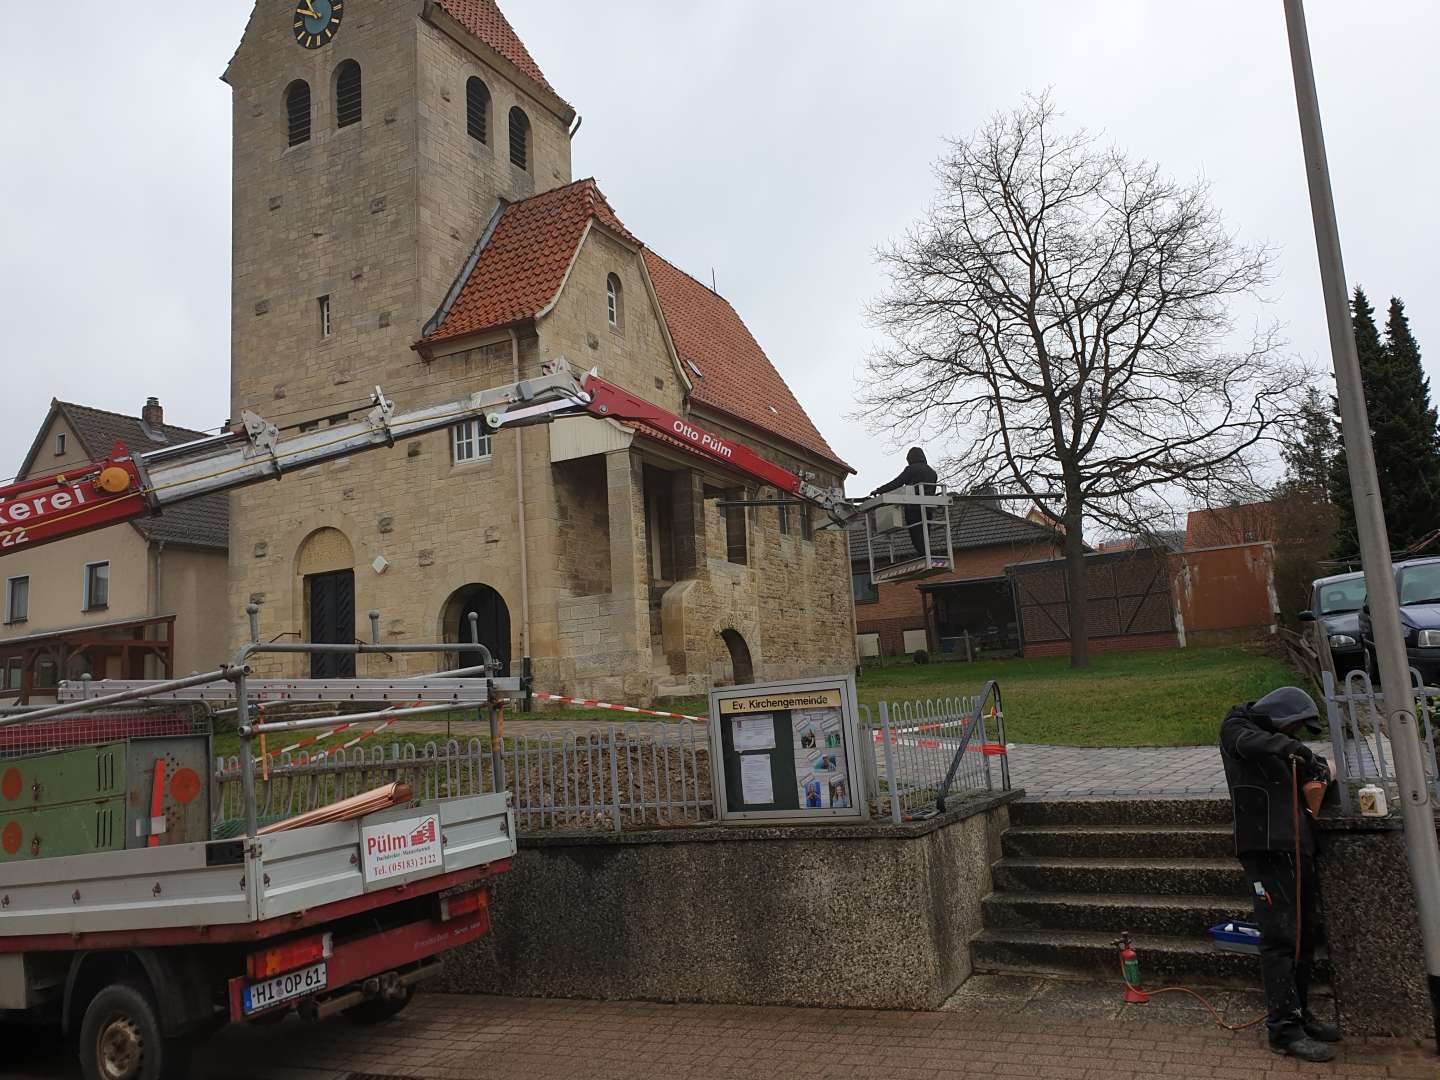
{"x":1276,"y":785}
{"x":917,"y":471}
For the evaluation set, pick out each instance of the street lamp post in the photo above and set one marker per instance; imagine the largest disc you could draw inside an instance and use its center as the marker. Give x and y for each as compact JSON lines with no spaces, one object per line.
{"x":1415,"y":802}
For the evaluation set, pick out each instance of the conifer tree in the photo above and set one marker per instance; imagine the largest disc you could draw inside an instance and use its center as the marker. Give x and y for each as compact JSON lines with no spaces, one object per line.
{"x":1403,"y":428}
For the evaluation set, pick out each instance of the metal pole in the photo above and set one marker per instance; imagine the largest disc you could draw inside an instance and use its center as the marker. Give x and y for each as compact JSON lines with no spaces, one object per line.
{"x":497,"y":751}
{"x":247,"y":759}
{"x":1416,"y":808}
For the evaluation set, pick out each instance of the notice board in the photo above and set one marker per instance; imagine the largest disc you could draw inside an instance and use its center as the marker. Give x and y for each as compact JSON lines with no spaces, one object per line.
{"x":787,"y":751}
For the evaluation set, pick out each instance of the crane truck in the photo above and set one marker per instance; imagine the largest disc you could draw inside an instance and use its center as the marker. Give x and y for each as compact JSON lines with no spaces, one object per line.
{"x":156,"y":931}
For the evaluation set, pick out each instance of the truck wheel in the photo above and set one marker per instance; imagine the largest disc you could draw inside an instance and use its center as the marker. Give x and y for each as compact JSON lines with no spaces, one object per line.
{"x":120,"y":1038}
{"x":378,"y":1010}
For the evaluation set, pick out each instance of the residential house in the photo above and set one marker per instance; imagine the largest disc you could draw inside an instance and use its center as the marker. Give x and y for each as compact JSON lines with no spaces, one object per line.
{"x":141,"y":599}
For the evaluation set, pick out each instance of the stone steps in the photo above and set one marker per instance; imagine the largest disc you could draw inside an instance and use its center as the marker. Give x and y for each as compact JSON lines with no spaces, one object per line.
{"x":1164,"y":959}
{"x":1129,"y":812}
{"x":1145,"y":877}
{"x":1076,"y":873}
{"x":1142,"y":841}
{"x":1183,"y":915}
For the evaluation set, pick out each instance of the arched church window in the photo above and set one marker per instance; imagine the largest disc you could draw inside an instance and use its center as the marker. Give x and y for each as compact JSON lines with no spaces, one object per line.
{"x":297,"y":112}
{"x":519,"y":138}
{"x":347,"y":94}
{"x":615,"y":303}
{"x":477,"y":109}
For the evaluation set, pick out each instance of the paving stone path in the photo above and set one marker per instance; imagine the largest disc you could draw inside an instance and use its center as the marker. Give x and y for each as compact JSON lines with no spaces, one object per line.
{"x":441,"y":1037}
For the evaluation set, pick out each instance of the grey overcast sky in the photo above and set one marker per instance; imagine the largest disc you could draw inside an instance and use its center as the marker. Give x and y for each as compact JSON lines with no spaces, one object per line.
{"x":778,"y":143}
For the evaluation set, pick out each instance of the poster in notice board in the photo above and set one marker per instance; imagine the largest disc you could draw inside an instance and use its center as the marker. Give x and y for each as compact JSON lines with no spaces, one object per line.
{"x":786,"y":751}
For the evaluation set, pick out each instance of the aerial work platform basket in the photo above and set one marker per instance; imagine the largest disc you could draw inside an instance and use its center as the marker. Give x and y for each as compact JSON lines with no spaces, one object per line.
{"x":908,"y":533}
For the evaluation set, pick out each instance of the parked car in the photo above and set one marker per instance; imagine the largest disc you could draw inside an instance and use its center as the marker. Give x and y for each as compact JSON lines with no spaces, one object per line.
{"x":1418,"y":583}
{"x":1336,"y":602}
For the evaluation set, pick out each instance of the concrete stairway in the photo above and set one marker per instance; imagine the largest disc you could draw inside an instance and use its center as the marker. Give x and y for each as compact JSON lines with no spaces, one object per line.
{"x":1075,"y":873}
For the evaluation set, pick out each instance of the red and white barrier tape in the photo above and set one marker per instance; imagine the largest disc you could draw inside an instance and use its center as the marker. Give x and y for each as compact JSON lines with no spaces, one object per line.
{"x":336,"y":730}
{"x":988,"y":749}
{"x":588,"y":703}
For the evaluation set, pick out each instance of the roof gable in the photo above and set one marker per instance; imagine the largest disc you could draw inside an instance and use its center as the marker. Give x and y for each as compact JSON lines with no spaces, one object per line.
{"x":521,"y":267}
{"x":484,"y":19}
{"x":201,"y":522}
{"x":731,"y":372}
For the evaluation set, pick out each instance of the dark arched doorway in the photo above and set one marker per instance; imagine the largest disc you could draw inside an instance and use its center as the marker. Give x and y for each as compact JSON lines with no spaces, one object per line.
{"x":741,"y":665}
{"x":493,"y":624}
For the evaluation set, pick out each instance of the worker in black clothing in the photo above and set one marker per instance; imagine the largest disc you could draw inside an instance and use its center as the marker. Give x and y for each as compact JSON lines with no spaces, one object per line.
{"x":917,"y":471}
{"x":1258,"y":745}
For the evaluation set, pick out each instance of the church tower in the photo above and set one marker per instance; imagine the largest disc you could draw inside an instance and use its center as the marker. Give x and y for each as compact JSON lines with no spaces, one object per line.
{"x":372,"y":141}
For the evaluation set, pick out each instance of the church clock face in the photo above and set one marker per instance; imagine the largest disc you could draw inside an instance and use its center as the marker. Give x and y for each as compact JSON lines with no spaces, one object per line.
{"x":317,"y":21}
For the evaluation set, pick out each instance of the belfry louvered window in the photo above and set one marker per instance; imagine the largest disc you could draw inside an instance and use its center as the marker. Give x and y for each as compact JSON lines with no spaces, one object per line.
{"x":297,"y":111}
{"x":477,"y":110}
{"x":519,"y":138}
{"x":347,"y":94}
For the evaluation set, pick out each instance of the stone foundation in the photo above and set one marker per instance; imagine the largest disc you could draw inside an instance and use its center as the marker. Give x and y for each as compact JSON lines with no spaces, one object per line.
{"x":869,"y":916}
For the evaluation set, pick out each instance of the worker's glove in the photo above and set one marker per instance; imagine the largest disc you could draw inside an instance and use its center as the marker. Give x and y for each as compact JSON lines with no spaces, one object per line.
{"x":1302,"y":753}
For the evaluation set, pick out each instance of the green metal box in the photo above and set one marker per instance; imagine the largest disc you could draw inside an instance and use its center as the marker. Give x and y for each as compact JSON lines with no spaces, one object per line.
{"x":100,"y":798}
{"x":51,"y":831}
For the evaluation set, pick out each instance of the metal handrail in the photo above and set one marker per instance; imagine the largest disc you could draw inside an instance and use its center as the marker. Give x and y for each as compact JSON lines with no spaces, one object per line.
{"x":977,"y":721}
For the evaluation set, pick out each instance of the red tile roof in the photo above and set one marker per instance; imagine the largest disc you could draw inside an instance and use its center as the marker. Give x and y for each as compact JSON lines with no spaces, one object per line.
{"x":484,"y":19}
{"x":735,"y":376}
{"x":523,"y":264}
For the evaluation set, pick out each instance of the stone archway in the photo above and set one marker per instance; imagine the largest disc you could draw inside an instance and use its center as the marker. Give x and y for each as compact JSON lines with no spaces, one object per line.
{"x":742,"y":667}
{"x":493,"y":623}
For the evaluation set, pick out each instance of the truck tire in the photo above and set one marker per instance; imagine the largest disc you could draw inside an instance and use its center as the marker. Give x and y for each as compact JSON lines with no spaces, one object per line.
{"x":378,"y":1010}
{"x":120,"y":1038}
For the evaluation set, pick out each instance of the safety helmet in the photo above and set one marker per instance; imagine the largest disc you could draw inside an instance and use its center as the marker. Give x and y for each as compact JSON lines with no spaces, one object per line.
{"x":1286,"y":706}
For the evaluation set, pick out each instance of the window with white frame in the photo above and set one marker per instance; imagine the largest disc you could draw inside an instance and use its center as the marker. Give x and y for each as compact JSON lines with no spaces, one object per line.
{"x":615,"y":303}
{"x":469,"y":441}
{"x":324,"y":303}
{"x":97,"y":585}
{"x":59,"y":443}
{"x":17,"y":599}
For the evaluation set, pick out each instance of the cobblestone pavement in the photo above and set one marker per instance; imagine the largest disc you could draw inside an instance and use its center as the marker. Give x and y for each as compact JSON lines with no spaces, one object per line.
{"x":1053,"y":771}
{"x":479,"y":1038}
{"x":1072,"y":1037}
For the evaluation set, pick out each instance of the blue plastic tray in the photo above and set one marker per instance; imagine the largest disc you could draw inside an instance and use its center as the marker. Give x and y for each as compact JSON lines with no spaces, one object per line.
{"x":1236,"y":936}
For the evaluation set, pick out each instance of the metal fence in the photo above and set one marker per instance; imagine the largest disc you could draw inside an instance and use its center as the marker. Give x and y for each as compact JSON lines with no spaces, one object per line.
{"x":927,"y":750}
{"x":1358,"y":736}
{"x":616,"y":778}
{"x":914,"y":756}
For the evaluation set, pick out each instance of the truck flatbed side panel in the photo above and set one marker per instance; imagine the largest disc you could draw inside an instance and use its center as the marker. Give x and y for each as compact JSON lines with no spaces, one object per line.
{"x":121,"y":890}
{"x":305,"y":868}
{"x":292,"y":872}
{"x":247,"y":932}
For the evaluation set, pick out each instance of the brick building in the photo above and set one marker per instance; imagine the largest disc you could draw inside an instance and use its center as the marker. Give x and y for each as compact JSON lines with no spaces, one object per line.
{"x":974,"y":598}
{"x":405,"y":215}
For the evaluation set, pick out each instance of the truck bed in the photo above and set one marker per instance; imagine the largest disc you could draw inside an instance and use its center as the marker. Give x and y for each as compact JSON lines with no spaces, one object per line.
{"x":234,"y":884}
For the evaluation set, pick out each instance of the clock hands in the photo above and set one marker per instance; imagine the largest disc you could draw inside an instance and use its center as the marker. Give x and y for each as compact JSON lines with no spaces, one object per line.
{"x":308,"y":9}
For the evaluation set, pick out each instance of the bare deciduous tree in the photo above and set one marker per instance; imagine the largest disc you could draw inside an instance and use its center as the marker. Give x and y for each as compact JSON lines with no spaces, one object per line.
{"x":1060,"y":318}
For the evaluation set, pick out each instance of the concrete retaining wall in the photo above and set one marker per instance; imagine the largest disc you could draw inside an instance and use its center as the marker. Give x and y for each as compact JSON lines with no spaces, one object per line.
{"x":871,"y":916}
{"x":1377,"y":966}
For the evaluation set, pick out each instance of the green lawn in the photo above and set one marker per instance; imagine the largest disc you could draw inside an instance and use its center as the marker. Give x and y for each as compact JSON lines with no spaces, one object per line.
{"x":1173,"y":697}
